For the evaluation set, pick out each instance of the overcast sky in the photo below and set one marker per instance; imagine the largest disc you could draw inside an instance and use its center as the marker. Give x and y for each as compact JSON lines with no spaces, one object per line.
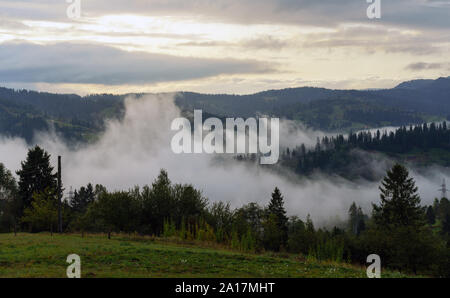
{"x":231,"y":46}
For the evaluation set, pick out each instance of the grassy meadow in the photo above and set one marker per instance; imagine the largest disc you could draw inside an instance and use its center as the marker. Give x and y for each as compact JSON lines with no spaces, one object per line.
{"x":43,"y":255}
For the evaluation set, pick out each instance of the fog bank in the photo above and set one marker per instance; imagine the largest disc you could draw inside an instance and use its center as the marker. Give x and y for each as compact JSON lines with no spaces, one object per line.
{"x":132,"y":151}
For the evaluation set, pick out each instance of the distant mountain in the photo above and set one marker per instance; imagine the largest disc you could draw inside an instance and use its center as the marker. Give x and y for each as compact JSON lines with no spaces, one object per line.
{"x":79,"y":118}
{"x":24,"y":112}
{"x":410,"y":102}
{"x":430,"y":97}
{"x":421,"y":84}
{"x":414,"y":84}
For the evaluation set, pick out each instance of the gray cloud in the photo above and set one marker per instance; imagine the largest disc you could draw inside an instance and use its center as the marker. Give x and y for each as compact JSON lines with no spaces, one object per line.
{"x":97,"y":64}
{"x":379,"y":38}
{"x":262,"y":42}
{"x":6,"y":23}
{"x":412,"y":13}
{"x":424,"y":65}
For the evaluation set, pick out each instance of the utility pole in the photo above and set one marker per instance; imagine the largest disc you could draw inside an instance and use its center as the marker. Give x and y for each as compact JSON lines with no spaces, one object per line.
{"x":59,"y":196}
{"x":443,"y":190}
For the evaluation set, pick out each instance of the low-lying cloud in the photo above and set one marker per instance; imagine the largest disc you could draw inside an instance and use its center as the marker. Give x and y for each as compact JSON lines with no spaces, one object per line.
{"x":132,"y":151}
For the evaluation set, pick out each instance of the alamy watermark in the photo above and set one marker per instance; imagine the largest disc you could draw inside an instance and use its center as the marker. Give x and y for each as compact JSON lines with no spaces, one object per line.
{"x":374,"y":269}
{"x":250,"y":136}
{"x":74,"y":9}
{"x":74,"y":269}
{"x":374,"y":9}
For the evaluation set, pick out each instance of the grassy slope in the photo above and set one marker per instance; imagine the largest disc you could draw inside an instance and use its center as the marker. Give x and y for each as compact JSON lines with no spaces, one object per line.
{"x":40,"y":255}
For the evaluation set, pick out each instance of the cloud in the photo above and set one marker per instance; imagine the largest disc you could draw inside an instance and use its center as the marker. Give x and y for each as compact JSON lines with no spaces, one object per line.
{"x":6,"y":23}
{"x":412,"y":13}
{"x":378,"y":39}
{"x":132,"y":151}
{"x":424,"y":66}
{"x":266,"y":42}
{"x":97,"y":64}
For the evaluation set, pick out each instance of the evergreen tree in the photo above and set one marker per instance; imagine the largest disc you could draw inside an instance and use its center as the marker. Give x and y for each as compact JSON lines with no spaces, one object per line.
{"x":431,"y":217}
{"x":273,"y":238}
{"x":443,"y":208}
{"x":159,"y":202}
{"x":400,"y":203}
{"x":9,"y":201}
{"x":446,"y":225}
{"x":309,"y":224}
{"x":35,"y":176}
{"x":276,"y":208}
{"x":353,"y":218}
{"x":82,"y":198}
{"x":356,"y":219}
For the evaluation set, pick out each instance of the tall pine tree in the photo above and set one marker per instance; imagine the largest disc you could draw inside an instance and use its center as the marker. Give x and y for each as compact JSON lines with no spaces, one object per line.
{"x":278,"y":213}
{"x":400,"y":202}
{"x":35,"y":176}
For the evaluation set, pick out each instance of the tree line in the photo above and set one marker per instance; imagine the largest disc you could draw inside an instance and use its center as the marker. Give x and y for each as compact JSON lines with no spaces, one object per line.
{"x":333,"y":153}
{"x":408,"y":236}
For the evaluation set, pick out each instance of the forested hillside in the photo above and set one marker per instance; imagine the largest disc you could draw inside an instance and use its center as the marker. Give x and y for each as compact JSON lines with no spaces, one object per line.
{"x":76,"y":118}
{"x":79,"y":118}
{"x":409,"y":103}
{"x":351,"y":156}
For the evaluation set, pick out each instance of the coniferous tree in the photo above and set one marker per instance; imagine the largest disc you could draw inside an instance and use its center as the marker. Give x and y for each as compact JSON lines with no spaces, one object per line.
{"x":159,"y":202}
{"x":446,"y":225}
{"x":82,"y":198}
{"x":9,"y":201}
{"x":35,"y":176}
{"x":400,"y":202}
{"x":276,"y":208}
{"x":353,"y":218}
{"x":356,"y":219}
{"x":431,"y":217}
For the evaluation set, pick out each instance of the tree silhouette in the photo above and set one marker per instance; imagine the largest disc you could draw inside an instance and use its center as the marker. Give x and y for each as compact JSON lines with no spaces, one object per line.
{"x":400,"y":203}
{"x":276,"y":209}
{"x":35,"y":176}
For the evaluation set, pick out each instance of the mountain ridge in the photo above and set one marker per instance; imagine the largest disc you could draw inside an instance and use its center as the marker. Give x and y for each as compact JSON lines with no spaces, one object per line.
{"x":81,"y":118}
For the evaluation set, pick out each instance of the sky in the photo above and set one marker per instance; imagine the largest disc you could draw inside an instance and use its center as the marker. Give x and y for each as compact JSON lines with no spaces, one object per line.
{"x":219,"y":46}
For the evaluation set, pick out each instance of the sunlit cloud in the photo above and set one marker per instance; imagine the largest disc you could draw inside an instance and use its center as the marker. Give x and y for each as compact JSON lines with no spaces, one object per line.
{"x":322,"y":43}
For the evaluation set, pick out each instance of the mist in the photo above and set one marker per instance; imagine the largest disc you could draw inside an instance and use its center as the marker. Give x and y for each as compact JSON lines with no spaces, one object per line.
{"x":132,"y":151}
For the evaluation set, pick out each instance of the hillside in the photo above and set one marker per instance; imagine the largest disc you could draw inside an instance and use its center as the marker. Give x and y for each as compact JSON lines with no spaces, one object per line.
{"x":80,"y":119}
{"x":76,"y":118}
{"x":353,"y":156}
{"x":41,"y":255}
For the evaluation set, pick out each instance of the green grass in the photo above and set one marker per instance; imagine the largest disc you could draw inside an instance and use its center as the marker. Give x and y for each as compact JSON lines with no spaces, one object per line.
{"x":42,"y":255}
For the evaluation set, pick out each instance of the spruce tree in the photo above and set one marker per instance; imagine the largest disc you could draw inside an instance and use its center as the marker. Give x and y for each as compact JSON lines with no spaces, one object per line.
{"x":35,"y":176}
{"x":431,"y":217}
{"x":446,"y":225}
{"x":82,"y":198}
{"x":356,"y":219}
{"x":400,"y":202}
{"x":9,"y":201}
{"x":353,"y":218}
{"x":276,"y":209}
